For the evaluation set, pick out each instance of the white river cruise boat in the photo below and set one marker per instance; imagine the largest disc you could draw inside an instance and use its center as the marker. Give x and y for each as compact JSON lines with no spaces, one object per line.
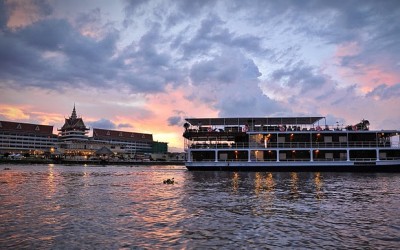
{"x":288,"y":144}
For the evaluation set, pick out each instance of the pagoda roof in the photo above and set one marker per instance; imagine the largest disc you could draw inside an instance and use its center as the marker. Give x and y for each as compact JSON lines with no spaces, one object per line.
{"x":237,"y":121}
{"x":73,"y":122}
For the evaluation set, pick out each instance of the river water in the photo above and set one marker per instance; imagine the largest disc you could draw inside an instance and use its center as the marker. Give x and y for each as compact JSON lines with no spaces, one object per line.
{"x":129,"y":207}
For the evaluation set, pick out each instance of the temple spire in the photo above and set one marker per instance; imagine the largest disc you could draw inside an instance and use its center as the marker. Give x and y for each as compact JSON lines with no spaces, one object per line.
{"x":73,"y":116}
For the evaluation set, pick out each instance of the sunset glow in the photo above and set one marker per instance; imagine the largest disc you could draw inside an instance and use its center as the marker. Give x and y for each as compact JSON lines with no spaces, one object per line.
{"x":144,"y":66}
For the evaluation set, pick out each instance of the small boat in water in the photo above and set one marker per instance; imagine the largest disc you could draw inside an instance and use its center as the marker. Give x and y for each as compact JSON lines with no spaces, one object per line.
{"x":288,"y":144}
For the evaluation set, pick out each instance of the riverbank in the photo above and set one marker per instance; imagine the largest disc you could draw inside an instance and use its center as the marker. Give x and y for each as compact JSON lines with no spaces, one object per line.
{"x":87,"y":162}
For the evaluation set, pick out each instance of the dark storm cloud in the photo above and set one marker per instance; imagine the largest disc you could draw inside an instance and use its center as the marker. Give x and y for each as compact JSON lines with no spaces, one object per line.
{"x":103,"y":124}
{"x":17,"y":58}
{"x":53,"y":54}
{"x":76,"y":59}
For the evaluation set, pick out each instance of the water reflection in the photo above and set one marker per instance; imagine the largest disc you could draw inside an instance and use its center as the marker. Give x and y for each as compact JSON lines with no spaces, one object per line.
{"x":121,"y":207}
{"x":50,"y":181}
{"x":318,"y":186}
{"x":258,"y":184}
{"x":235,"y":182}
{"x":263,"y":184}
{"x":270,"y":182}
{"x":294,"y":192}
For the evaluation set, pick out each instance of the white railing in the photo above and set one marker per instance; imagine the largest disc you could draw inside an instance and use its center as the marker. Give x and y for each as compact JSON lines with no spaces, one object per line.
{"x":273,"y":145}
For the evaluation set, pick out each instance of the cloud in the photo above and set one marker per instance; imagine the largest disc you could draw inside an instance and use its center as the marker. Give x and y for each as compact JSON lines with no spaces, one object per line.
{"x":132,"y":9}
{"x":384,"y":91}
{"x":124,"y":125}
{"x":13,"y":113}
{"x":174,"y":120}
{"x":213,"y":35}
{"x":299,"y":76}
{"x":22,"y":14}
{"x":51,"y":54}
{"x":148,"y":66}
{"x":229,"y":83}
{"x":4,"y":15}
{"x":156,"y":63}
{"x":103,"y":124}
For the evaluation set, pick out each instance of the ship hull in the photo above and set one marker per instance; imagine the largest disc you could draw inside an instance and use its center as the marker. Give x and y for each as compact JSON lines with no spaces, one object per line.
{"x":371,"y":167}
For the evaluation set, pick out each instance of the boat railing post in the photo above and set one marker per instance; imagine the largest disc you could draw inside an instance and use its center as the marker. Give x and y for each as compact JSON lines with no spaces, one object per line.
{"x":277,"y":155}
{"x":188,"y":155}
{"x":216,"y":155}
{"x":348,"y":154}
{"x":311,"y":154}
{"x":377,"y":155}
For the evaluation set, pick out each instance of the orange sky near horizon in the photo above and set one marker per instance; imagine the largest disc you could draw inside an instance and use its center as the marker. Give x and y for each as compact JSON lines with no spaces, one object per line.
{"x":129,"y":66}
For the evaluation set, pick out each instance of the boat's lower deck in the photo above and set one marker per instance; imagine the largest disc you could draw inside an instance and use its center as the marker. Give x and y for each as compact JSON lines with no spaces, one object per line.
{"x":284,"y":155}
{"x":320,"y":166}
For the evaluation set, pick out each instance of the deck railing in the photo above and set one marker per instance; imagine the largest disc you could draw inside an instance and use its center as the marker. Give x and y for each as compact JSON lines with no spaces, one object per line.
{"x":302,"y":160}
{"x":276,"y":145}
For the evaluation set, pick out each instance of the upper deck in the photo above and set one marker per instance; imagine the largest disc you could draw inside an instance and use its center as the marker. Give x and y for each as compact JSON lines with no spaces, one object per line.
{"x":254,"y":121}
{"x":281,"y":132}
{"x":233,"y":127}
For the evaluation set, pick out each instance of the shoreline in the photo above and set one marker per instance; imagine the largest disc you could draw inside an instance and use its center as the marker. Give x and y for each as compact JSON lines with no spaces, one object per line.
{"x":88,"y":162}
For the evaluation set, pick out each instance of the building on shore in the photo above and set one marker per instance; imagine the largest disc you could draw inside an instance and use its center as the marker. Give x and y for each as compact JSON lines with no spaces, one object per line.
{"x":73,"y":141}
{"x":26,"y":138}
{"x":74,"y":129}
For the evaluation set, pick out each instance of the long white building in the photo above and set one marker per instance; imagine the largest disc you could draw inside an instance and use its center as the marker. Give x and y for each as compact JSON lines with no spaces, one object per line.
{"x":73,"y":140}
{"x":18,"y":137}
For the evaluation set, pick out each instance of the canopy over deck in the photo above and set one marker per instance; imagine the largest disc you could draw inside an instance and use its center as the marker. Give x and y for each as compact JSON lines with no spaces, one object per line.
{"x":254,"y":121}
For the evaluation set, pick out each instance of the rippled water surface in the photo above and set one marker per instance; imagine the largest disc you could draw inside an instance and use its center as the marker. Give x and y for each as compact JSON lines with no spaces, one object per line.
{"x":113,"y":207}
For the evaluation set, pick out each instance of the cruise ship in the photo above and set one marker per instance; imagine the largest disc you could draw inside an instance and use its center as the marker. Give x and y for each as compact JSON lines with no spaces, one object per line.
{"x":288,"y":144}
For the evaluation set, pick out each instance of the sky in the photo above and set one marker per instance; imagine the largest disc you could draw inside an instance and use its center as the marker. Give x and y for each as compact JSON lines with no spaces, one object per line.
{"x":145,"y":66}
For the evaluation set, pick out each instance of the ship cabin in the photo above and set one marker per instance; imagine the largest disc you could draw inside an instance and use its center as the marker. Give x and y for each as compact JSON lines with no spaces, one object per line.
{"x":287,"y":139}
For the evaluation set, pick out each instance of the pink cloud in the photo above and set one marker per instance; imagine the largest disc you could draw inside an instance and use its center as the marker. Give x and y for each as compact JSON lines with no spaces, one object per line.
{"x":366,"y":76}
{"x":23,"y":13}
